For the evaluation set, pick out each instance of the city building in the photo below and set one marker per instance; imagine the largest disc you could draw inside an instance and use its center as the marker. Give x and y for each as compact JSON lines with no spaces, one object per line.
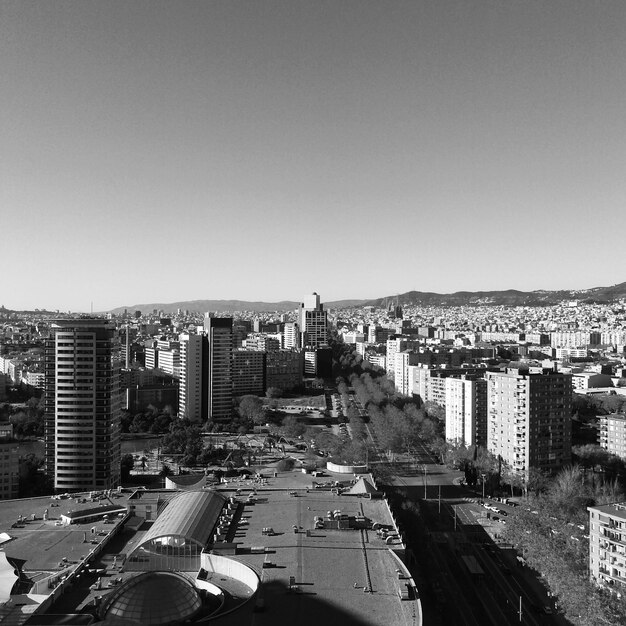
{"x":612,"y":433}
{"x":291,"y":335}
{"x":82,"y":406}
{"x":248,"y":372}
{"x":318,"y":362}
{"x":169,"y":362}
{"x":394,"y":345}
{"x":219,"y":331}
{"x":529,"y":418}
{"x":402,"y":362}
{"x":192,"y":399}
{"x":9,"y":463}
{"x":284,"y":369}
{"x":313,"y":322}
{"x":152,"y":358}
{"x":607,"y":545}
{"x":466,"y":410}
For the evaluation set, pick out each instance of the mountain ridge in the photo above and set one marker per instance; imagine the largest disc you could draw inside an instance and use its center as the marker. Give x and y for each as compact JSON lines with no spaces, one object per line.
{"x":506,"y":297}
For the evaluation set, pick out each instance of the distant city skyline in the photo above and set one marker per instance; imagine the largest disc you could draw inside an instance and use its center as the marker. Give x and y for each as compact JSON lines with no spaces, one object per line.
{"x":158,"y":151}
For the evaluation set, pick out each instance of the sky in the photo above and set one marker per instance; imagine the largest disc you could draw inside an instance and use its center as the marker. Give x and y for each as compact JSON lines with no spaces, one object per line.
{"x":159,"y":151}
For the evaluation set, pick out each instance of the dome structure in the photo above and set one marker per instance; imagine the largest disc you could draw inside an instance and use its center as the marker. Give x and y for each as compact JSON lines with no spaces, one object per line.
{"x":153,"y":598}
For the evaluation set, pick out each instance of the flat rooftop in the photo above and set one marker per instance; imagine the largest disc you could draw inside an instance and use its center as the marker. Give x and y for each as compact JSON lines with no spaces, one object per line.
{"x":314,"y":576}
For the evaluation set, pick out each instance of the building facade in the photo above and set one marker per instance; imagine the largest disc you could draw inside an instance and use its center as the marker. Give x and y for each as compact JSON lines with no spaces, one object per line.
{"x":9,"y":463}
{"x":529,"y":418}
{"x":284,"y":369}
{"x":607,"y":545}
{"x":313,"y":323}
{"x":466,"y":411}
{"x":248,"y":372}
{"x":192,"y":401}
{"x":612,"y":435}
{"x":219,"y":387}
{"x":82,"y":406}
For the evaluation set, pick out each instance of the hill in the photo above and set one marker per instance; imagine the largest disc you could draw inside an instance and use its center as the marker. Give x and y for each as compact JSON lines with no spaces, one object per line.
{"x":510,"y":297}
{"x":218,"y":306}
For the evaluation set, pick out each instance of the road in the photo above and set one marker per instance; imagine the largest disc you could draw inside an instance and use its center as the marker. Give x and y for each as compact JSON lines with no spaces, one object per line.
{"x":457,"y":526}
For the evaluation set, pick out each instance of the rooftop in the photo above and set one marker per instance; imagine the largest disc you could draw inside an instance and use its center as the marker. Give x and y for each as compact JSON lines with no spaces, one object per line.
{"x":308,"y":575}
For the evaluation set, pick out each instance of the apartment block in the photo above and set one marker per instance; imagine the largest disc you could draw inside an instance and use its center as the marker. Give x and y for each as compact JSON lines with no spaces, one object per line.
{"x":612,"y":433}
{"x":284,"y":369}
{"x":466,"y":410}
{"x":607,"y":545}
{"x":529,"y":418}
{"x":248,"y":372}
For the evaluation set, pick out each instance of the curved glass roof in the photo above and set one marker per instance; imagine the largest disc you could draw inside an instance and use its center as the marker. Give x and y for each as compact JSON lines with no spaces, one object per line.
{"x":191,"y":515}
{"x":154,"y":598}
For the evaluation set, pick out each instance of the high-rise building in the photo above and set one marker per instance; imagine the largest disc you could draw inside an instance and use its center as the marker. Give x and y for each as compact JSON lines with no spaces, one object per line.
{"x":284,"y":369}
{"x":248,"y":372}
{"x":194,"y":355}
{"x":291,"y":335}
{"x":394,"y":345}
{"x":466,"y":410}
{"x":529,"y":418}
{"x":313,"y":322}
{"x":402,"y":379}
{"x":82,"y":406}
{"x":219,"y":332}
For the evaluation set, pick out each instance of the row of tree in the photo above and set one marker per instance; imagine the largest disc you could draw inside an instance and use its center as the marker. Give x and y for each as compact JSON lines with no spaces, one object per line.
{"x":547,"y":532}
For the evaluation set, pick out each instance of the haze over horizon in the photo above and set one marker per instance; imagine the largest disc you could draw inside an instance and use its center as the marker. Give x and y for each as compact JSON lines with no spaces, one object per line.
{"x":161,"y":152}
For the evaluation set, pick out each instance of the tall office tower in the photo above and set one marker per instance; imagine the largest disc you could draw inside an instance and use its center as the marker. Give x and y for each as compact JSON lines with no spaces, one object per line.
{"x":82,"y":406}
{"x":192,"y":400}
{"x":313,"y":322}
{"x":466,"y":411}
{"x":291,"y":335}
{"x":219,"y":388}
{"x":529,"y":418}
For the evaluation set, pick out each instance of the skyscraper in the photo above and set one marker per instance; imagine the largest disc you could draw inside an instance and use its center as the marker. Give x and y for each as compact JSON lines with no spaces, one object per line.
{"x":219,"y":331}
{"x":313,"y":322}
{"x":82,"y":406}
{"x":192,"y":399}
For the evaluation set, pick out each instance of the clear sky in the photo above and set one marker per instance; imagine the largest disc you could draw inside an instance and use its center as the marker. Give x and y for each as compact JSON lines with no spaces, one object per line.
{"x":161,"y":151}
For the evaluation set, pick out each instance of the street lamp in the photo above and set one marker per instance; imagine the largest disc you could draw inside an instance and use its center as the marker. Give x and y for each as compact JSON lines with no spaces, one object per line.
{"x":483,"y":475}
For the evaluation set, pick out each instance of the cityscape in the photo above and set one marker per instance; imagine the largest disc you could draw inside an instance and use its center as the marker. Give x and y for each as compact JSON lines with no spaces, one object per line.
{"x":474,"y":453}
{"x":312,"y":312}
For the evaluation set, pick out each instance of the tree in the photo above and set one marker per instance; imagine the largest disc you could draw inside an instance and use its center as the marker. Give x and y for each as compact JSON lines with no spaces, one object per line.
{"x":274,"y":392}
{"x":126,"y":465}
{"x":251,"y":408}
{"x":292,"y":427}
{"x":537,"y":481}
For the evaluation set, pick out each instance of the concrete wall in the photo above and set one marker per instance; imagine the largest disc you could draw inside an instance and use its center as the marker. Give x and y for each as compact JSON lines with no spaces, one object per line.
{"x":346,"y":469}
